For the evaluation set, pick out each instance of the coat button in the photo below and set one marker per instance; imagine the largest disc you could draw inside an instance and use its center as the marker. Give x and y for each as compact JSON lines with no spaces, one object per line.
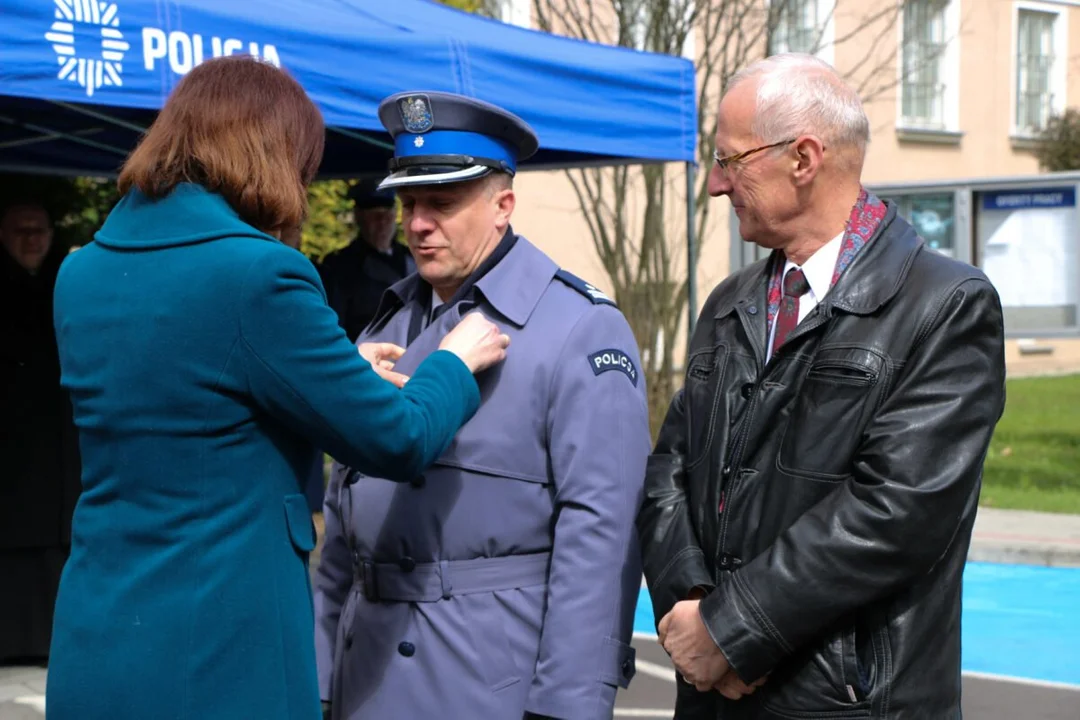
{"x":627,"y":667}
{"x":747,"y":390}
{"x":407,"y":564}
{"x":418,"y":481}
{"x":407,"y":649}
{"x":752,"y":309}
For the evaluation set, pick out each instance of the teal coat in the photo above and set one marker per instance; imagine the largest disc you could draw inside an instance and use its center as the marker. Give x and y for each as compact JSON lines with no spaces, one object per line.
{"x":204,"y":365}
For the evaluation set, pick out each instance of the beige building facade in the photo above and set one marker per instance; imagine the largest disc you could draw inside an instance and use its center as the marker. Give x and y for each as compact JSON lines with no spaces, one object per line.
{"x":956,"y":90}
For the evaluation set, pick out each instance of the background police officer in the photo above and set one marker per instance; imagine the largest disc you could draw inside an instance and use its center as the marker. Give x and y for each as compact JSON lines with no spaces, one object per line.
{"x":356,"y":276}
{"x":502,"y":583}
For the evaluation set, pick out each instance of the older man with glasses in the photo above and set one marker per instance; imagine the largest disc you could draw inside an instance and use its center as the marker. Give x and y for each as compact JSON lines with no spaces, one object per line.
{"x":811,"y":496}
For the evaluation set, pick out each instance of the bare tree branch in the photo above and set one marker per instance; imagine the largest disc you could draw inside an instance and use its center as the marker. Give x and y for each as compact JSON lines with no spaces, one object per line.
{"x":628,"y":209}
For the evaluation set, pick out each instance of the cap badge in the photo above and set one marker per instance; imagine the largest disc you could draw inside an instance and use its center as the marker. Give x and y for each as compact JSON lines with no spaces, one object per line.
{"x":418,"y":141}
{"x":416,"y":113}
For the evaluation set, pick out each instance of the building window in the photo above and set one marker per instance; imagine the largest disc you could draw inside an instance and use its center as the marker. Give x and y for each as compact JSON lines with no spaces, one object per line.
{"x":933,"y":215}
{"x":923,"y":65}
{"x":514,"y":12}
{"x":1036,"y":57}
{"x":804,"y":26}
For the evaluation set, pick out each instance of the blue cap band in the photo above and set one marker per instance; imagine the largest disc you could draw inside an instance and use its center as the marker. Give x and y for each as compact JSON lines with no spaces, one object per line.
{"x":455,"y":142}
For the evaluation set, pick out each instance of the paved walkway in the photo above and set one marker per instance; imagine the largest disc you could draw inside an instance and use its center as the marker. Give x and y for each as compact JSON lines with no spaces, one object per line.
{"x":1028,"y":538}
{"x":1003,"y":536}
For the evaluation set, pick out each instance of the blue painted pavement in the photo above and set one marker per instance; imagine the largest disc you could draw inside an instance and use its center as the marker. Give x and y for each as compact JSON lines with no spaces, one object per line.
{"x":1019,"y":620}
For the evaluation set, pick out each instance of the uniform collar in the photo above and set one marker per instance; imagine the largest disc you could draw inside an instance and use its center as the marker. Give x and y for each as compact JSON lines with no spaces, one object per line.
{"x":513,"y":287}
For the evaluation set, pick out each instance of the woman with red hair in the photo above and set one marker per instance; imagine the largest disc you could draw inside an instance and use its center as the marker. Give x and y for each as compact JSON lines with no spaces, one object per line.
{"x":204,"y":367}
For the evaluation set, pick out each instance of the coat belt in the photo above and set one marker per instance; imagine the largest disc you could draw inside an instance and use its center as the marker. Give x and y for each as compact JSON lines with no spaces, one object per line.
{"x":406,"y":581}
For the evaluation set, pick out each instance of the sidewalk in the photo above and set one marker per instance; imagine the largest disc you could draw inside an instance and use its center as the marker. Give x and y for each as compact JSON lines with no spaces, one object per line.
{"x":1001,"y":536}
{"x":22,"y":693}
{"x":1028,"y":538}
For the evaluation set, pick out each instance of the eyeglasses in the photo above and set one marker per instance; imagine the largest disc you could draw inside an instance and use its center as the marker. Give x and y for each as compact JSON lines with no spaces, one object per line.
{"x":724,"y":162}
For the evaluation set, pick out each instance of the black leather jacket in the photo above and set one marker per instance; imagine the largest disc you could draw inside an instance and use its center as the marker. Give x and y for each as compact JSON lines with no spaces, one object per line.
{"x":849,"y":467}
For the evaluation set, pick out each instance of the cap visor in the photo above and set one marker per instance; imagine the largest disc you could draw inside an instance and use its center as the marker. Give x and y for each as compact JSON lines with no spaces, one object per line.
{"x":432,"y":176}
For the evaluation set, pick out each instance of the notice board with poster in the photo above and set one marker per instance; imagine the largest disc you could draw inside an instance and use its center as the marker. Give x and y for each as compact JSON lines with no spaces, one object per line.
{"x":1028,"y":238}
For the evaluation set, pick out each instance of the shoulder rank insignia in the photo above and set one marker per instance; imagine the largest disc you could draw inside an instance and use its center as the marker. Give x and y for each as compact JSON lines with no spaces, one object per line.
{"x":596,"y":296}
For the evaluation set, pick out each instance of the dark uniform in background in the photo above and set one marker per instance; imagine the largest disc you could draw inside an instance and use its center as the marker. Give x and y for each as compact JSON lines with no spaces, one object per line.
{"x":356,"y":276}
{"x":39,"y":460}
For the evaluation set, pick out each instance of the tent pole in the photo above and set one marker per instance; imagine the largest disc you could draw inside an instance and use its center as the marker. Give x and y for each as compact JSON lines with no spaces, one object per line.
{"x":66,"y":136}
{"x":43,"y":138}
{"x":100,"y":116}
{"x":362,"y":138}
{"x":691,"y":265}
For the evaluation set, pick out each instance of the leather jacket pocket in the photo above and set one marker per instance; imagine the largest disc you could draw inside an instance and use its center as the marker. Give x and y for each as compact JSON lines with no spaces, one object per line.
{"x":823,"y":681}
{"x":704,"y":382}
{"x":835,"y":400}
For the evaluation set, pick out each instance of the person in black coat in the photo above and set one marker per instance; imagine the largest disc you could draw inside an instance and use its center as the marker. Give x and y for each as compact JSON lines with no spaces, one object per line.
{"x":39,"y":460}
{"x":356,"y":276}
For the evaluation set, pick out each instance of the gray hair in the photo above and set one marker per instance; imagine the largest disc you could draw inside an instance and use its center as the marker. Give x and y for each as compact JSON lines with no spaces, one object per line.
{"x":798,"y":94}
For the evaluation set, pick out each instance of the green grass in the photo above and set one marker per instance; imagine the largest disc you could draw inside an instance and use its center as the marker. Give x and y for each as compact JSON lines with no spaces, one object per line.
{"x":1034,"y":459}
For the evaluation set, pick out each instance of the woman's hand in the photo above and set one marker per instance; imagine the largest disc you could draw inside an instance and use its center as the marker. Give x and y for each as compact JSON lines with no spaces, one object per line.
{"x":382,"y":357}
{"x":477,"y":341}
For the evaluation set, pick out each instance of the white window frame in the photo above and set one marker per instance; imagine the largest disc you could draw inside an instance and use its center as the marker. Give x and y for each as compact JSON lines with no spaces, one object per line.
{"x":826,"y":19}
{"x":949,"y":72}
{"x":516,"y":12}
{"x":1059,"y":73}
{"x":689,"y":48}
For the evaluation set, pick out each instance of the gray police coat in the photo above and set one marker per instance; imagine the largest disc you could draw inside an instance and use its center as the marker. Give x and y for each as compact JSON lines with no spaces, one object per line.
{"x":504,"y":579}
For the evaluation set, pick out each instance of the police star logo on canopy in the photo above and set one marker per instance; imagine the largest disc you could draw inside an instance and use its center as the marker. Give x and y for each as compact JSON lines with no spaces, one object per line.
{"x":90,"y":18}
{"x":416,"y":114}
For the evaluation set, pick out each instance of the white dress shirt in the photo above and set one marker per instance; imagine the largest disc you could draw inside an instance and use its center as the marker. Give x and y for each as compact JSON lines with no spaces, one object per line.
{"x":818,"y":270}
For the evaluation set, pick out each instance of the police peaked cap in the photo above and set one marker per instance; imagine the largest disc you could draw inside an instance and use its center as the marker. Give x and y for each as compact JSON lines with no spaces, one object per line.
{"x":366,"y":194}
{"x":442,"y":138}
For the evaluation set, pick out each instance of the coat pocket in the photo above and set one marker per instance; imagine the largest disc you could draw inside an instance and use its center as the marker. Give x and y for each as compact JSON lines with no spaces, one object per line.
{"x":492,"y":641}
{"x":299,"y":522}
{"x":820,"y":682}
{"x":834,"y":402}
{"x":704,"y":382}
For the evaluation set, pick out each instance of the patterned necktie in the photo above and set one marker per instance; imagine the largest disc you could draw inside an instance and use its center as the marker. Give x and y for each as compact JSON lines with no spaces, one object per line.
{"x":795,"y":286}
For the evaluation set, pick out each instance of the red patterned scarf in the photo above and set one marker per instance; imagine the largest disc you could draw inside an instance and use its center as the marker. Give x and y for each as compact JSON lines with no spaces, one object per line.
{"x":866,"y":216}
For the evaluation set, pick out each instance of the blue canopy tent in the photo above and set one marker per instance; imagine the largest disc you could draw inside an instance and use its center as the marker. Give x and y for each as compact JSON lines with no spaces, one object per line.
{"x":81,"y":79}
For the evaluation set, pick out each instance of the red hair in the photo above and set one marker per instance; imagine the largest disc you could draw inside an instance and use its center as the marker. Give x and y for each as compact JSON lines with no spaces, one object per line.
{"x":239,"y":127}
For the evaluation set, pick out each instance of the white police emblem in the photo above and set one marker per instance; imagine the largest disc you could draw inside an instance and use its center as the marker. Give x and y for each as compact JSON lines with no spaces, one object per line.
{"x":416,"y":113}
{"x":419,"y":141}
{"x":606,"y":360}
{"x":99,"y":66}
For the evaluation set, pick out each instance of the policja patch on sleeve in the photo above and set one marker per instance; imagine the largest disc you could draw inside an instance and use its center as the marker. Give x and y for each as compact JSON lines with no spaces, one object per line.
{"x":612,"y":359}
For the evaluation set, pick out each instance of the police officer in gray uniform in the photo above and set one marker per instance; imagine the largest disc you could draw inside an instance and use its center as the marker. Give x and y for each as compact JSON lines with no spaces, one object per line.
{"x":502,"y":583}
